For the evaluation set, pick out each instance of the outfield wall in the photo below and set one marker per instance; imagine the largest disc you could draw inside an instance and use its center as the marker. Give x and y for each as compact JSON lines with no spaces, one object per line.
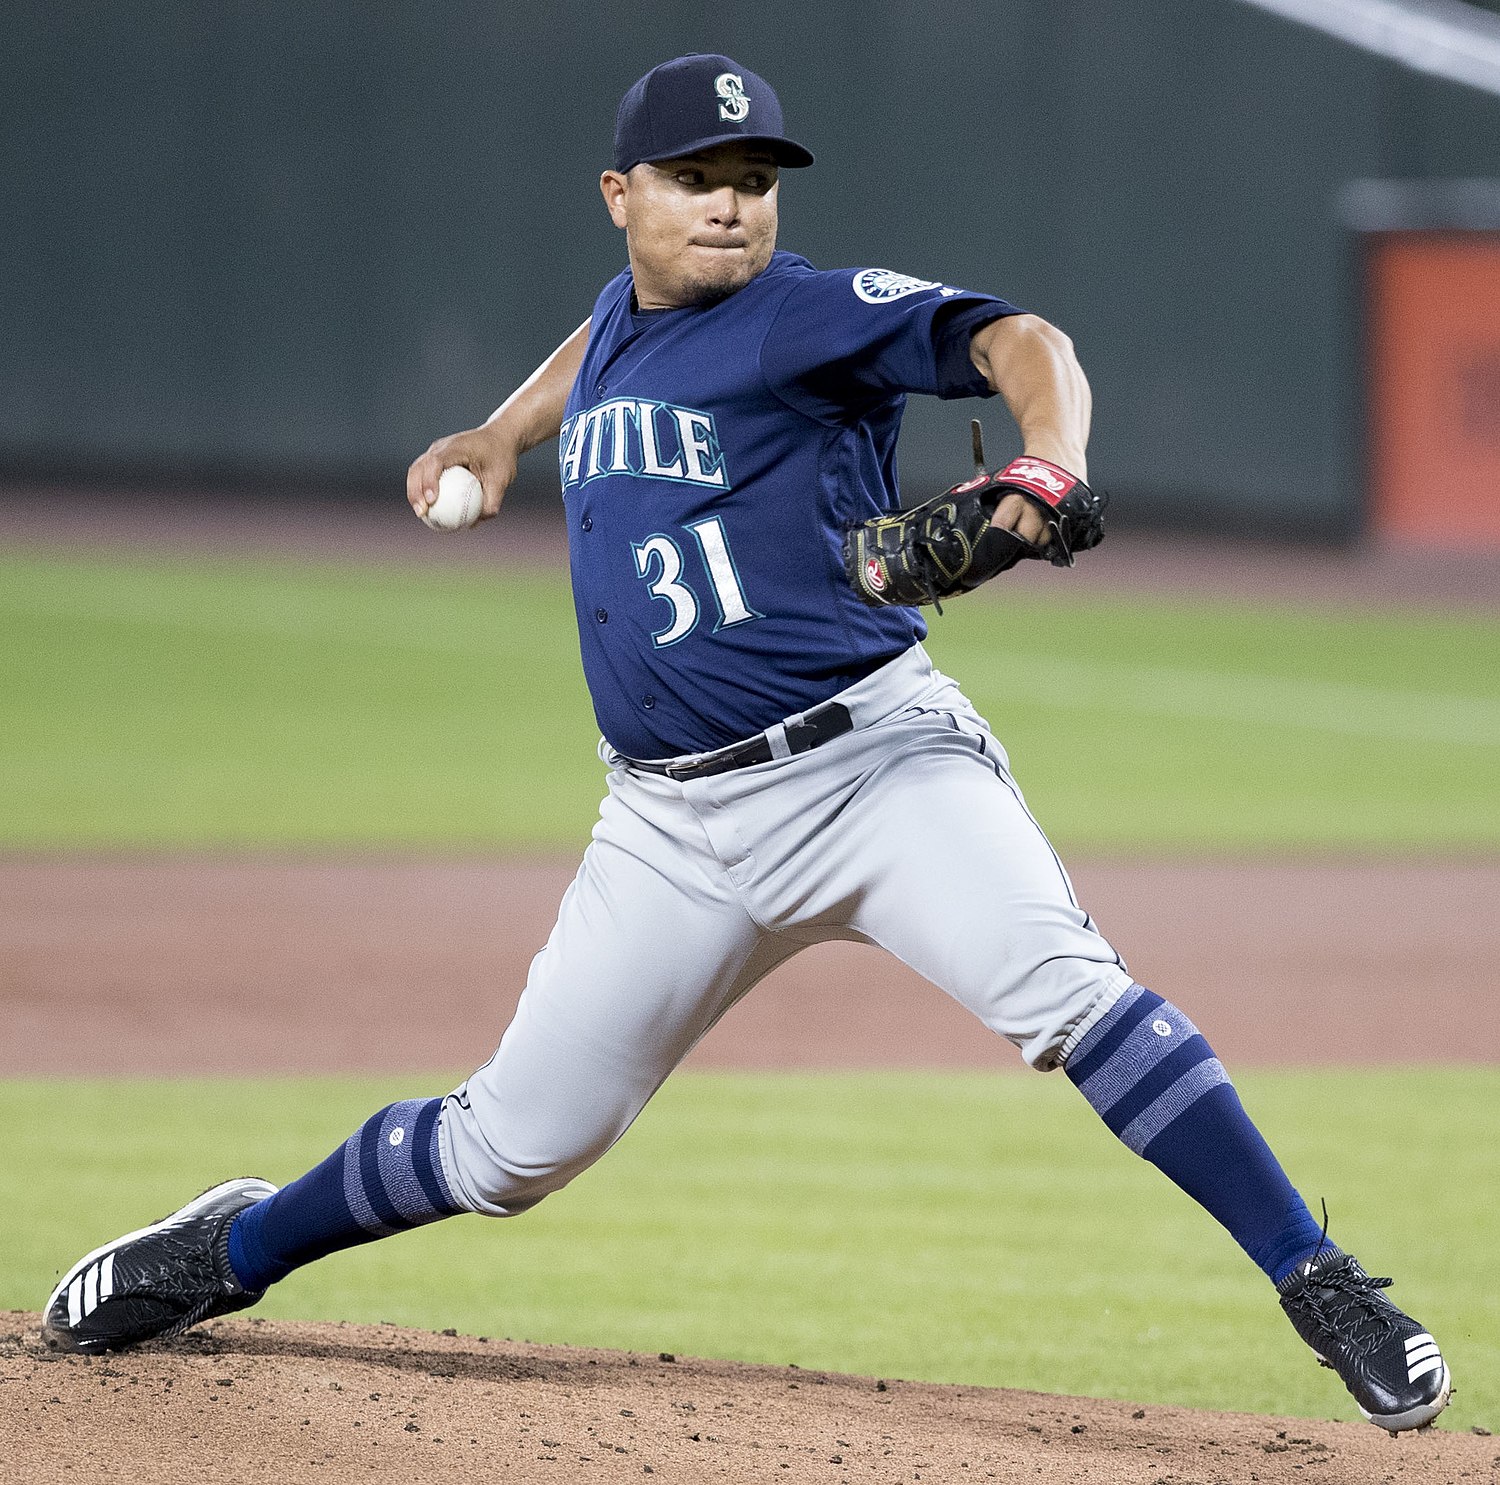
{"x":295,"y":242}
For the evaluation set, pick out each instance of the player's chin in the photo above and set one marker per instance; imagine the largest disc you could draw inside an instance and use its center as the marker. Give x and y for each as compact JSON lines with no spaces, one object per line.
{"x":717,"y":272}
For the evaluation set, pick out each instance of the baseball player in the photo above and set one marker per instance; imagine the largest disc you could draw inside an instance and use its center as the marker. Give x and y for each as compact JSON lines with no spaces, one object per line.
{"x":785,"y":765}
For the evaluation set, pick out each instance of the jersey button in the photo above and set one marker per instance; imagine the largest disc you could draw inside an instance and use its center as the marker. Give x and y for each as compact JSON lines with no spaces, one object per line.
{"x":602,"y":614}
{"x":648,"y":702}
{"x":600,"y":390}
{"x":587,"y":523}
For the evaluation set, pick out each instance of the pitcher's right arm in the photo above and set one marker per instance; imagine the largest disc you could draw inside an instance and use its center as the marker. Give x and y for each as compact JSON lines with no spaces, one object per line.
{"x":532,"y":414}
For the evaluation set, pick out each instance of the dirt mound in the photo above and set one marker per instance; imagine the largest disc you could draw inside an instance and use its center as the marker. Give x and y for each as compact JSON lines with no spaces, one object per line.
{"x":249,"y":1400}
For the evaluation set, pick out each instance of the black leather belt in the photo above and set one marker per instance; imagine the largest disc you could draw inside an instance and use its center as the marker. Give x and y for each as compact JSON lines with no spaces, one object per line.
{"x":822,"y":724}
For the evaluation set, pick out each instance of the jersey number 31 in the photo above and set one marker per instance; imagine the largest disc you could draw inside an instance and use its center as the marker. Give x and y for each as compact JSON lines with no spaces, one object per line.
{"x":662,"y":555}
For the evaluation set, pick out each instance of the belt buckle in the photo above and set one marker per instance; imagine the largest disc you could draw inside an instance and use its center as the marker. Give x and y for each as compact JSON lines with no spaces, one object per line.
{"x":679,"y":771}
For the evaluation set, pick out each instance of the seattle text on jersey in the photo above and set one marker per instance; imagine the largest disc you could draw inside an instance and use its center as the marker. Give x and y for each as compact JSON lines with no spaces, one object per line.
{"x":652,"y":440}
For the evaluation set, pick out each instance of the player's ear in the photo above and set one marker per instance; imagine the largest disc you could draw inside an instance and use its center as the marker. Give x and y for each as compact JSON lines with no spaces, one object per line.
{"x":614,"y":187}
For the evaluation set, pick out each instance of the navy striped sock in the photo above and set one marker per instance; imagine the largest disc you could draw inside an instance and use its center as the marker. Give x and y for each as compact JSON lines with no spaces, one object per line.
{"x":385,"y":1178}
{"x":1154,"y":1080}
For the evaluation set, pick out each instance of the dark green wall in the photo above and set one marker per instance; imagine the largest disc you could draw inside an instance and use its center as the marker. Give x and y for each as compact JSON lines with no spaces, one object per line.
{"x":273,"y":240}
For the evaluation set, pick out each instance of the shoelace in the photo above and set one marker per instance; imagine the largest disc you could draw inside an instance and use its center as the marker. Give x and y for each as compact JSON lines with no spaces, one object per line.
{"x":1331,"y":1296}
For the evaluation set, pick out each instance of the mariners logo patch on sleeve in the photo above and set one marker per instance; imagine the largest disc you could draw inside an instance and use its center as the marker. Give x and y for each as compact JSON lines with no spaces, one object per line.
{"x":880,"y":285}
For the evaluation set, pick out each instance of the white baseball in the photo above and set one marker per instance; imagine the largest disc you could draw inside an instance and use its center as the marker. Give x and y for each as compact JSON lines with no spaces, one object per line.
{"x":460,"y":497}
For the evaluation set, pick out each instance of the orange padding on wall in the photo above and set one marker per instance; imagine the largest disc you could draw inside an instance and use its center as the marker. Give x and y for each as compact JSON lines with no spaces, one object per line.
{"x":1434,"y":379}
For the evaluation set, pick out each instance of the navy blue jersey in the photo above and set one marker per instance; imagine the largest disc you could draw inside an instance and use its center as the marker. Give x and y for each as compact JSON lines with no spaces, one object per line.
{"x":711,"y":458}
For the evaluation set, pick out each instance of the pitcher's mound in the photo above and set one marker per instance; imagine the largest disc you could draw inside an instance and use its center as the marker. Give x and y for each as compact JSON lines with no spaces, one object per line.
{"x":259,"y":1400}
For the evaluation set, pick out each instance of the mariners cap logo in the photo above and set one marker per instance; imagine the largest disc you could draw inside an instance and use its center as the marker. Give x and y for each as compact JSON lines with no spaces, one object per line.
{"x":733,"y":104}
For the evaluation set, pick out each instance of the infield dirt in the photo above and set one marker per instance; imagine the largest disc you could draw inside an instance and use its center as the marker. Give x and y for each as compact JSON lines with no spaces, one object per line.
{"x":250,"y":1400}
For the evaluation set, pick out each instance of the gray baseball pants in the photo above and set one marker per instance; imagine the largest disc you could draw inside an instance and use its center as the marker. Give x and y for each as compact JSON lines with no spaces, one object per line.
{"x":907,"y":832}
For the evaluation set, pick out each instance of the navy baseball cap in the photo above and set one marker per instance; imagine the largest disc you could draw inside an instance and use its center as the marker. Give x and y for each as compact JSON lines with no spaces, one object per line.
{"x":691,"y":103}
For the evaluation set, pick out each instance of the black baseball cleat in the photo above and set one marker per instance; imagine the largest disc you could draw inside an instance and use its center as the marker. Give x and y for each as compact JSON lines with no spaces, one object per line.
{"x":1391,"y":1366}
{"x":155,"y":1282}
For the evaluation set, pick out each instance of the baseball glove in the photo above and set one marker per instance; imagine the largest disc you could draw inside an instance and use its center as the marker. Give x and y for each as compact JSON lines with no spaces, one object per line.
{"x":948,"y":546}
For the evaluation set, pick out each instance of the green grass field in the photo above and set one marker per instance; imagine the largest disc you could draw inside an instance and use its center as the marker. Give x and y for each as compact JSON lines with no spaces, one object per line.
{"x":956,"y":1228}
{"x":204,"y":703}
{"x":946,"y":1227}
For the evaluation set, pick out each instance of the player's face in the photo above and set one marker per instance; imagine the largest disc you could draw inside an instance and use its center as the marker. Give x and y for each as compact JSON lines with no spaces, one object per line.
{"x":697,"y":228}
